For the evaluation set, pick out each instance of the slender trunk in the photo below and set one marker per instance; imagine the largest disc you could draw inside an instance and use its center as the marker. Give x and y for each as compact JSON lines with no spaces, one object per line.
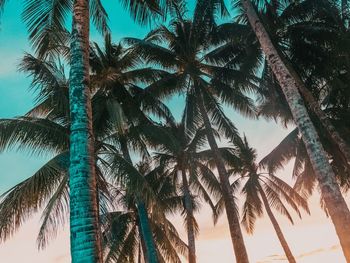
{"x":143,"y":246}
{"x":231,"y":211}
{"x":147,"y":235}
{"x":190,"y":219}
{"x":146,"y":231}
{"x":277,"y":228}
{"x":84,"y":222}
{"x":330,"y":190}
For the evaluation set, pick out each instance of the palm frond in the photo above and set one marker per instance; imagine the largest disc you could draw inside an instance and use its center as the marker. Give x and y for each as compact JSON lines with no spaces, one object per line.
{"x":99,"y":16}
{"x":54,"y":215}
{"x":45,"y":21}
{"x":27,"y":197}
{"x":252,"y":207}
{"x":33,"y":134}
{"x":282,"y":153}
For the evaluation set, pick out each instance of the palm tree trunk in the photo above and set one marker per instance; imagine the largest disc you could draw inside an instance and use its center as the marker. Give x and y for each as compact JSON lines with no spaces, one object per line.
{"x":84,"y":222}
{"x":146,"y":231}
{"x":314,"y":106}
{"x":277,"y":228}
{"x":231,"y":211}
{"x":151,"y":252}
{"x":190,"y":219}
{"x":330,"y":190}
{"x":143,"y":245}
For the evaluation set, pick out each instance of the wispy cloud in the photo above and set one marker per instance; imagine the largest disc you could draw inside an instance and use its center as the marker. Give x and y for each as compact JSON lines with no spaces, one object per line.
{"x":309,"y":256}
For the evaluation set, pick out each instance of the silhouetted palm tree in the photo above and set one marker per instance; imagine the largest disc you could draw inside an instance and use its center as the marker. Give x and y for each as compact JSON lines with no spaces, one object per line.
{"x":183,"y":48}
{"x":182,"y":153}
{"x":336,"y":205}
{"x":264,"y":190}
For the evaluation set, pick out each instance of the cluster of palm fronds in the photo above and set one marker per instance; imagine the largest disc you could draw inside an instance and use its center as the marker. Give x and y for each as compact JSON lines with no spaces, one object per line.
{"x":150,"y":166}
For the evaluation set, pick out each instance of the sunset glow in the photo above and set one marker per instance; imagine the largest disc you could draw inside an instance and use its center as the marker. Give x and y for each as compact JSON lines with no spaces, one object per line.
{"x":215,"y":106}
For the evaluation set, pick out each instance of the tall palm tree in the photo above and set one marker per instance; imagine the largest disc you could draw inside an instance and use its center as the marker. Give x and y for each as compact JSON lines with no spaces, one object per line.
{"x":336,"y":205}
{"x":116,"y":76}
{"x":264,"y":190}
{"x":183,"y":50}
{"x":46,"y":22}
{"x":179,"y":150}
{"x":305,"y":34}
{"x":315,"y":26}
{"x":52,"y":113}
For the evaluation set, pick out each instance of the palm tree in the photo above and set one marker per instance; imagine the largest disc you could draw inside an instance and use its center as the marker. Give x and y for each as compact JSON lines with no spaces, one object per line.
{"x":264,"y":189}
{"x":336,"y":205}
{"x":116,"y":76}
{"x":49,"y":121}
{"x":124,"y":232}
{"x":290,"y":29}
{"x":183,"y":50}
{"x":305,"y":34}
{"x":45,"y":21}
{"x":180,"y":151}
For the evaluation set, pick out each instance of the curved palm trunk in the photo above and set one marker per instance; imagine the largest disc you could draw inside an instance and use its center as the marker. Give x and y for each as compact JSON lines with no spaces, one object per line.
{"x":190,"y":224}
{"x":150,"y":252}
{"x":142,"y":246}
{"x":277,"y":228}
{"x":84,"y":226}
{"x":331,"y":131}
{"x":330,"y":190}
{"x":231,"y":211}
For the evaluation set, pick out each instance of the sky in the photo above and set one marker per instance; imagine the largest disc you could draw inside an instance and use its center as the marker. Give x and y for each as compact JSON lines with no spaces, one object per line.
{"x":312,"y":239}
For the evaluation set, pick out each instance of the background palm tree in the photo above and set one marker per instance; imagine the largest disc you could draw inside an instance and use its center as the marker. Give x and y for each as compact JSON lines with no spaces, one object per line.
{"x":264,"y":190}
{"x":159,"y":197}
{"x":180,"y":151}
{"x":183,"y":51}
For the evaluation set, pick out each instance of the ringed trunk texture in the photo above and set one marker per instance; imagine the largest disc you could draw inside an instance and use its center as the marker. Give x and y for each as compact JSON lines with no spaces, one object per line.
{"x":277,"y":228}
{"x":84,"y":211}
{"x":335,"y":203}
{"x":230,"y":206}
{"x":150,"y":250}
{"x":190,"y":219}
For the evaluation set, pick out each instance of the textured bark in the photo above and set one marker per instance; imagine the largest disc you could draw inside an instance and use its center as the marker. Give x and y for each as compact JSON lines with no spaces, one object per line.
{"x":231,"y":211}
{"x":277,"y":228}
{"x":190,"y":219}
{"x":330,"y":190}
{"x":84,"y":226}
{"x":150,"y":251}
{"x":314,"y":106}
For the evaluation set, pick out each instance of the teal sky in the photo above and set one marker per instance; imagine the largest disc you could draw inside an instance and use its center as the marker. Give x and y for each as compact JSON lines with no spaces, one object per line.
{"x":16,"y":99}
